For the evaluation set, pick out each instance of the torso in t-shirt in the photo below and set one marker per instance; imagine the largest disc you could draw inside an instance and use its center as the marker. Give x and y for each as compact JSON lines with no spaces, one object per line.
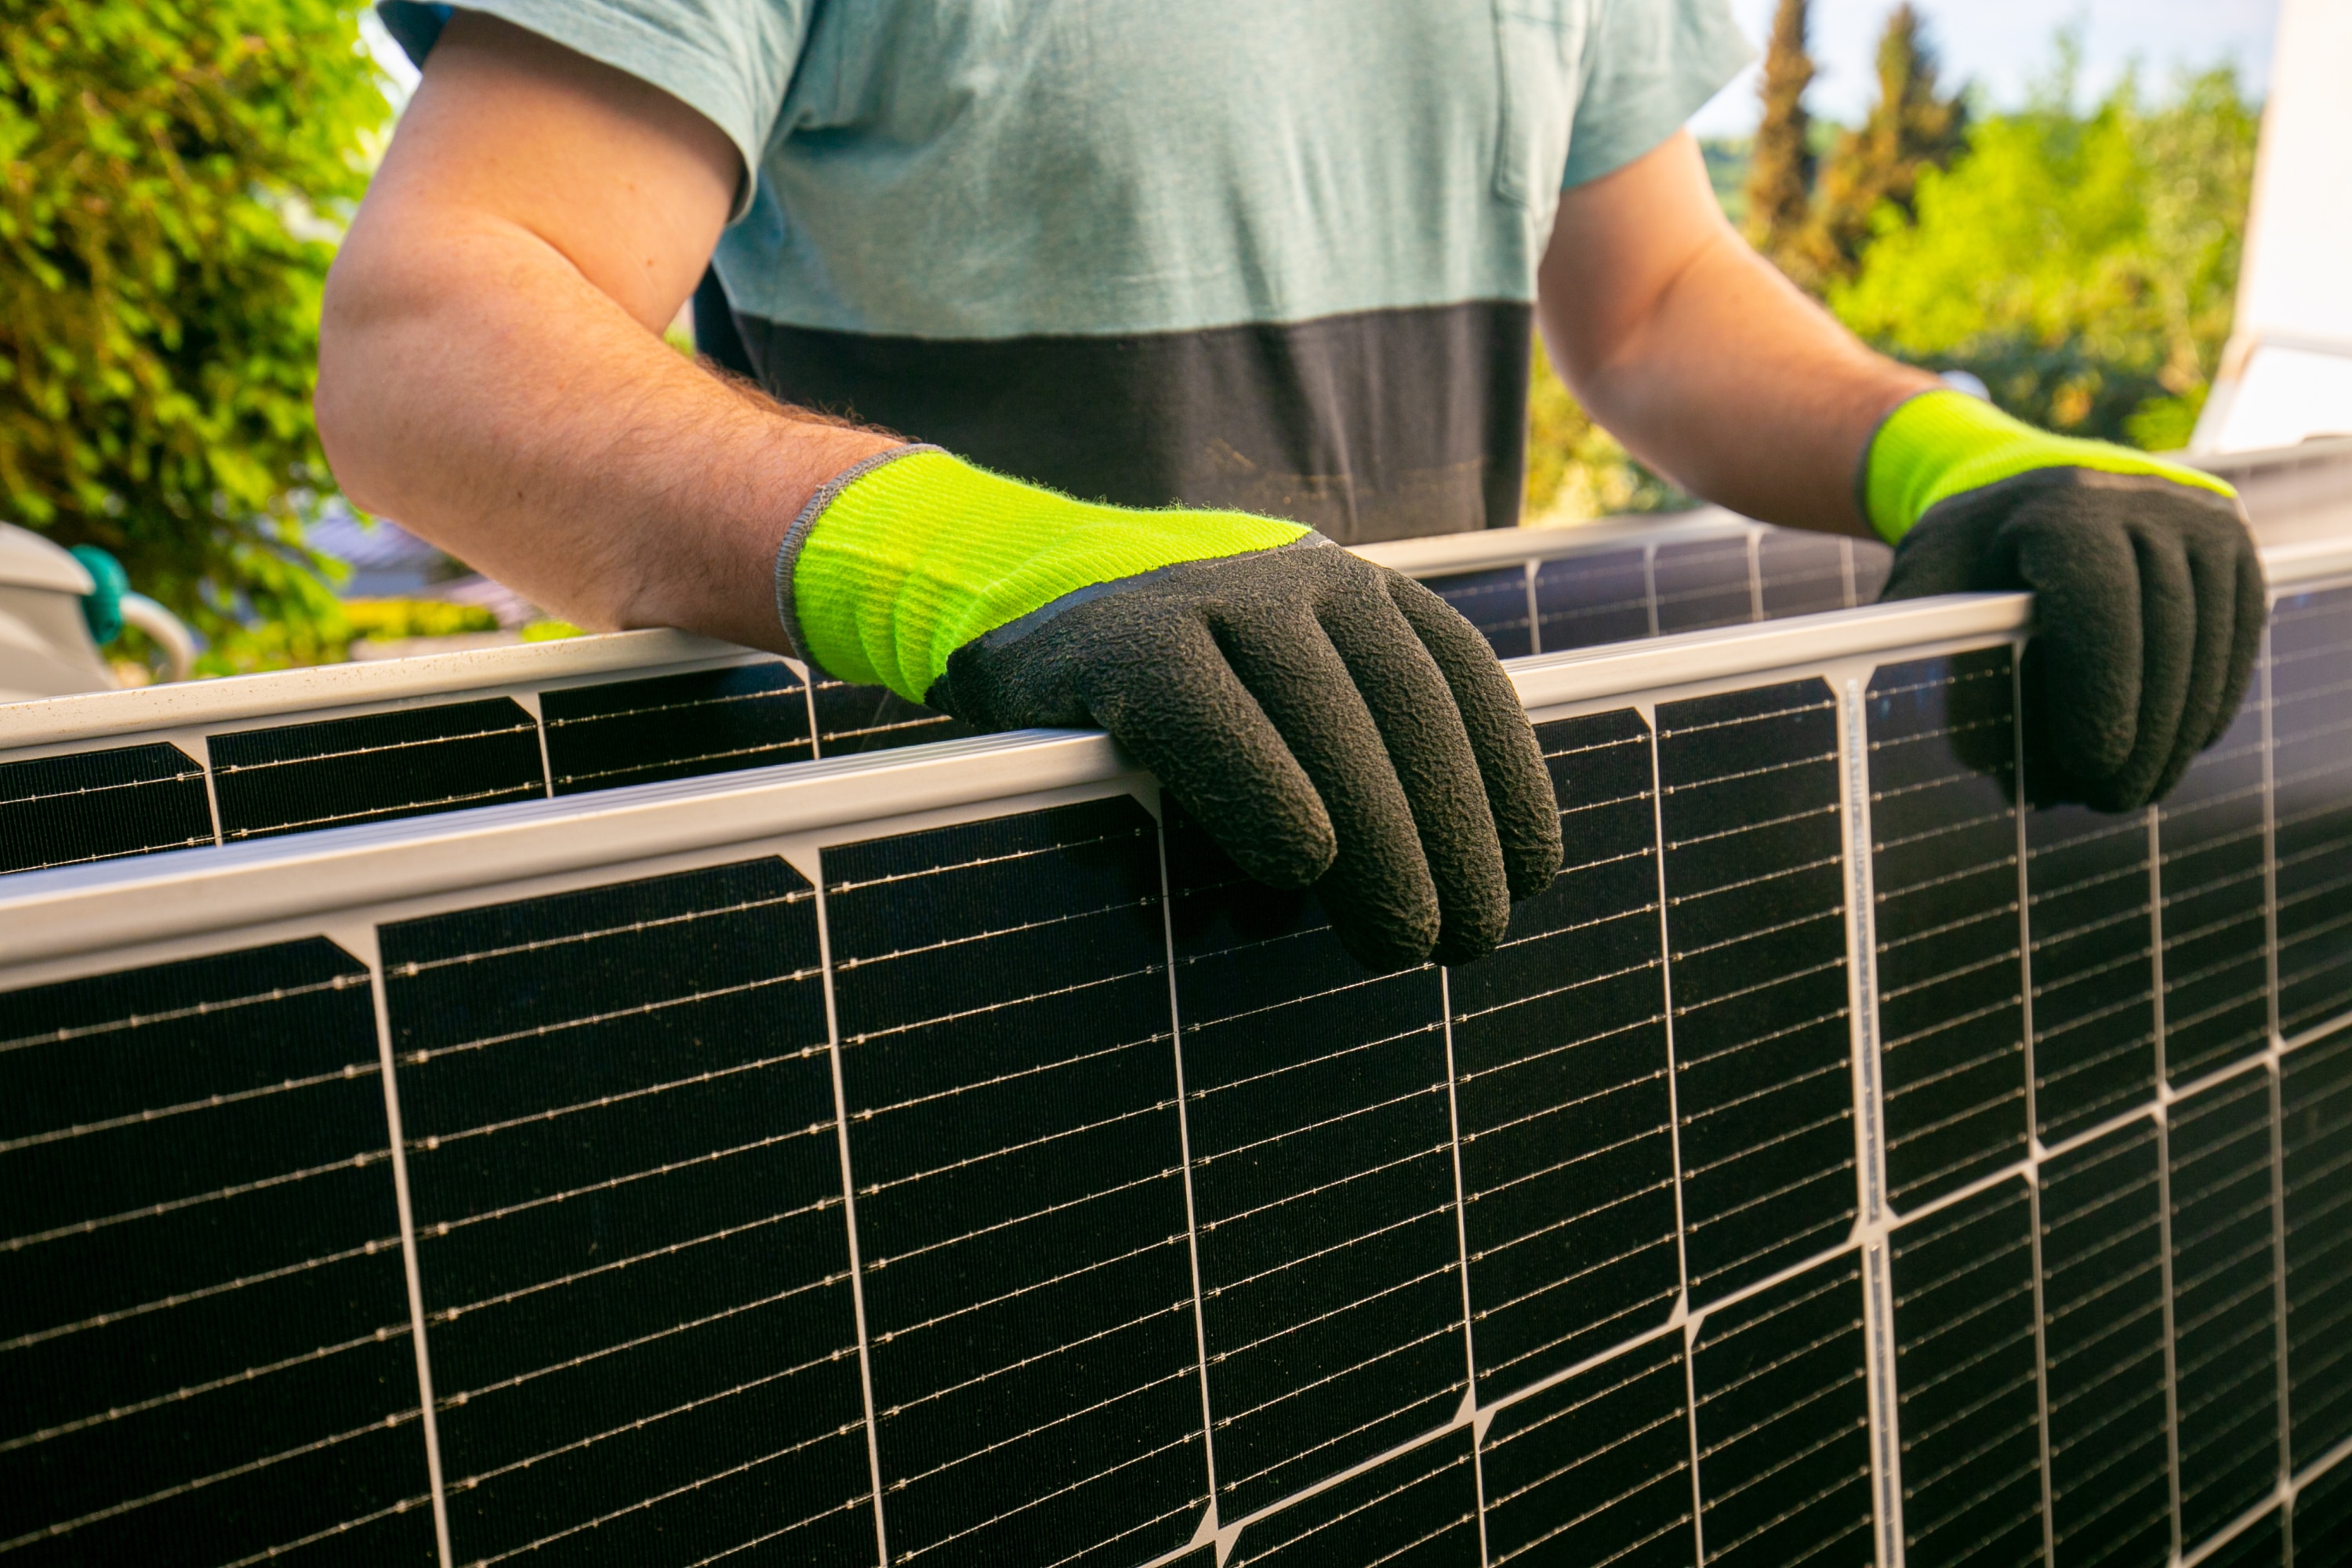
{"x":1276,"y":255}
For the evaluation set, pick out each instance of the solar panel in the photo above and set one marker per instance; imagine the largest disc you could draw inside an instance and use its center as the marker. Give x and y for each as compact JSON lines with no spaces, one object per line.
{"x":204,"y":1328}
{"x":946,"y":1157}
{"x":89,"y":786}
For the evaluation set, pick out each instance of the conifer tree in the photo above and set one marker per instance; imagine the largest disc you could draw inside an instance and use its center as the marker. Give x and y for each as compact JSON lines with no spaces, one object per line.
{"x":1780,"y":177}
{"x":1911,"y":127}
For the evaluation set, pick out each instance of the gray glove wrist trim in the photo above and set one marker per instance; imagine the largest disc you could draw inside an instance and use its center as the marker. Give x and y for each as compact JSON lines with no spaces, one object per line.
{"x":787,"y":553}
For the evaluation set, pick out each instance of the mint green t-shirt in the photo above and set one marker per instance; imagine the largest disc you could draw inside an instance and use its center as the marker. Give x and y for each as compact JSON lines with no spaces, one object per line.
{"x":1276,"y":254}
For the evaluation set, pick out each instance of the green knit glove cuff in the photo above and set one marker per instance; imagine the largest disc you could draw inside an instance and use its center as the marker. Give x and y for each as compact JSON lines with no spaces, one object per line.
{"x":1941,"y":444}
{"x":907,"y":556}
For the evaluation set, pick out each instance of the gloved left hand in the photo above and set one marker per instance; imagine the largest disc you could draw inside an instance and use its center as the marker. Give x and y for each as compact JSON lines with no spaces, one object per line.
{"x":2149,"y":592}
{"x":1327,"y":720}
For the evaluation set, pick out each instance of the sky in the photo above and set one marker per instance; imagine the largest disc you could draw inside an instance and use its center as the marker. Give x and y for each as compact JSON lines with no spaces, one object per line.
{"x":2003,"y":45}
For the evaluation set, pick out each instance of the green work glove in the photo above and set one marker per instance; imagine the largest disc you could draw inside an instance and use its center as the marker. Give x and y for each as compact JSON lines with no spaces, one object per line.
{"x":2149,"y":590}
{"x":1329,"y":721}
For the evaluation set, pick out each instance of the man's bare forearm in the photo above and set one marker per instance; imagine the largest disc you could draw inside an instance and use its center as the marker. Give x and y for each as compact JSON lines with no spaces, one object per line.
{"x":1707,"y":364}
{"x":497,"y":382}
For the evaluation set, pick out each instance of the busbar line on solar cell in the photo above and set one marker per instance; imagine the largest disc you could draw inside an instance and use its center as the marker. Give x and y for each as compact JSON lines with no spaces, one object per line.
{"x":210,"y":1102}
{"x":1069,"y":1412}
{"x":191,"y":1390}
{"x":1952,"y":1064}
{"x":410,"y":968}
{"x":542,"y":1031}
{"x":610,"y":1184}
{"x":602,"y":1102}
{"x":230,"y":770}
{"x":180,"y":1298}
{"x":2224,"y":1288}
{"x":685,"y":762}
{"x":65,"y":1033}
{"x":173,"y":1206}
{"x":498,"y":794}
{"x":503,"y":1298}
{"x":516,"y":1379}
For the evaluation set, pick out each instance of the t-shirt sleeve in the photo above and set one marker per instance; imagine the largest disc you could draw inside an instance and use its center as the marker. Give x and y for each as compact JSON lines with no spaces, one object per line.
{"x":1648,"y":68}
{"x":728,"y":60}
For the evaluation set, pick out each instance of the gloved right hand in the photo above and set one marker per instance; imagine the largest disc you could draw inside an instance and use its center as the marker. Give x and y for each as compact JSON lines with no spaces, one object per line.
{"x":2148,"y":594}
{"x":1327,"y":722}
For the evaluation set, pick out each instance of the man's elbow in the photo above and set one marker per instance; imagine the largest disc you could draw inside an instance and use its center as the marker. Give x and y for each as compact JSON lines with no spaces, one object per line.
{"x":349,"y":402}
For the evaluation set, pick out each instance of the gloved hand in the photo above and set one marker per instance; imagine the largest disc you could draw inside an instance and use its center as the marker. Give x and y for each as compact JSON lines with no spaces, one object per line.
{"x":1327,"y":721}
{"x":2150,"y":599}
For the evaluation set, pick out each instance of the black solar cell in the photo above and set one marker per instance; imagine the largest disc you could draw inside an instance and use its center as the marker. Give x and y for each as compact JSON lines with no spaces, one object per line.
{"x":1596,"y":1468}
{"x":1944,"y":851}
{"x":1756,"y":917}
{"x":2224,"y":1299}
{"x":854,"y":718}
{"x":1967,"y":1388}
{"x":2213,"y":868}
{"x":2316,"y":1121}
{"x":2262,"y":1544}
{"x":1003,"y":1002}
{"x":1582,"y":601}
{"x":1703,"y":582}
{"x":1561,"y":1076}
{"x":406,"y":762}
{"x":2321,"y":1525}
{"x":1419,"y":1510}
{"x":1780,"y":1397}
{"x":2311,"y":770}
{"x":204,"y":1343}
{"x":96,"y":806}
{"x":1324,"y":1187}
{"x":2092,"y":959}
{"x":2104,"y":1334}
{"x":1801,"y":573}
{"x":1498,"y":603}
{"x":618,"y":1109}
{"x":675,"y":726}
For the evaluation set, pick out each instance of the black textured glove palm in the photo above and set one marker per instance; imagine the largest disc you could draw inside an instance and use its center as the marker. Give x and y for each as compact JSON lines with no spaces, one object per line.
{"x":2150,"y":599}
{"x":1331,"y":721}
{"x":1331,"y":724}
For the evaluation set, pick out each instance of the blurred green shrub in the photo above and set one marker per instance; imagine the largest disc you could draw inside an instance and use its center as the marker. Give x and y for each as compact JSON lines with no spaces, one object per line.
{"x":2083,"y":266}
{"x":172,"y":176}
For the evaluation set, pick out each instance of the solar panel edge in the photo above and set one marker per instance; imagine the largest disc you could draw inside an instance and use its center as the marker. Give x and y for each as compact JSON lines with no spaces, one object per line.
{"x":2075,"y":1142}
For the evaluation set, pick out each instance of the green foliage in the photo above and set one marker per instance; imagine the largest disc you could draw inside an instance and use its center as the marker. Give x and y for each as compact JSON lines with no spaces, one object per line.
{"x":165,"y":166}
{"x":1781,"y":167}
{"x":2083,"y":266}
{"x":1912,"y":126}
{"x":1577,"y":470}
